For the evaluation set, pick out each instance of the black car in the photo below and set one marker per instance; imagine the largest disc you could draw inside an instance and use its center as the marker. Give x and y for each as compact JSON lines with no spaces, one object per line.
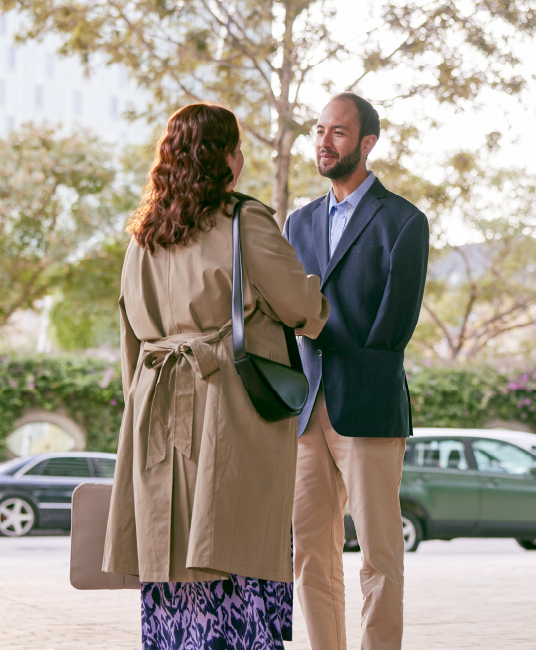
{"x":36,"y":491}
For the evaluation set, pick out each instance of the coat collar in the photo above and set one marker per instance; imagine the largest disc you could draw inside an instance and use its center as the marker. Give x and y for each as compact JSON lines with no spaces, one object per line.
{"x":361,"y":216}
{"x":245,"y":197}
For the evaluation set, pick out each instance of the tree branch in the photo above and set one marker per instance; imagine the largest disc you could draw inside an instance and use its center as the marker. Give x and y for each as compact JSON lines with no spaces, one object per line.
{"x":498,"y":332}
{"x":257,"y":135}
{"x":240,"y":44}
{"x":153,"y":52}
{"x":25,"y":294}
{"x":472,"y":299}
{"x":439,"y":324}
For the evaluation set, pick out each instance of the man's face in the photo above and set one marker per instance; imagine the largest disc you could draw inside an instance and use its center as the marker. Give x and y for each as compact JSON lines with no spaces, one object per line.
{"x":338,"y":145}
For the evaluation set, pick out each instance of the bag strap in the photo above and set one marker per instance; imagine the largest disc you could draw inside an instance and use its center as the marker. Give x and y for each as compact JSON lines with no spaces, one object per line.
{"x":239,"y":343}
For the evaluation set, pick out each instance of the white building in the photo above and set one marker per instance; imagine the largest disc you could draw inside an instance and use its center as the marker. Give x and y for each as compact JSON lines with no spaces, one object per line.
{"x":39,"y":86}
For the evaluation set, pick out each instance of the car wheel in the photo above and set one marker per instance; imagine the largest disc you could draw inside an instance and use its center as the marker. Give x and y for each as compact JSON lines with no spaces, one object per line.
{"x":352,"y":546}
{"x":17,"y":517}
{"x":412,"y":530}
{"x":527,"y":544}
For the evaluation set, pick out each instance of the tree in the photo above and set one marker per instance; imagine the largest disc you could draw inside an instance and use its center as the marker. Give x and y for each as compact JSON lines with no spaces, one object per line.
{"x":85,"y":314}
{"x":257,"y":57}
{"x":56,"y":197}
{"x":479,"y":292}
{"x":86,"y":289}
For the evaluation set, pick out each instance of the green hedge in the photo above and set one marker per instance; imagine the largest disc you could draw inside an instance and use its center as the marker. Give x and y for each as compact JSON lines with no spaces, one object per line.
{"x":90,"y":392}
{"x":87,"y":390}
{"x":471,"y":397}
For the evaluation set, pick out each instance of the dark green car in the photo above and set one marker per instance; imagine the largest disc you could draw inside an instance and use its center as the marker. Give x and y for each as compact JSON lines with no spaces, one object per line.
{"x":465,"y":483}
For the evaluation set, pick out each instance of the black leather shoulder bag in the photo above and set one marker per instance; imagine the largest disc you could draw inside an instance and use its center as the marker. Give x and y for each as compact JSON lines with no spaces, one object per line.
{"x":277,"y":391}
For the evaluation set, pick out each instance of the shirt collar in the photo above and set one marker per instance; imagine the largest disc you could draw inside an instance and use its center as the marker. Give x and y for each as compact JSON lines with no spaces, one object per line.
{"x":353,"y":198}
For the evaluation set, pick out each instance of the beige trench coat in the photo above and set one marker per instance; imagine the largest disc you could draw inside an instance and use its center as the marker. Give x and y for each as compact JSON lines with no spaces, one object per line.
{"x":203,"y":486}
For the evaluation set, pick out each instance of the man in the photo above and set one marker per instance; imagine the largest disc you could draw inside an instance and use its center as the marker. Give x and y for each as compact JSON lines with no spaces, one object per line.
{"x":370,"y":249}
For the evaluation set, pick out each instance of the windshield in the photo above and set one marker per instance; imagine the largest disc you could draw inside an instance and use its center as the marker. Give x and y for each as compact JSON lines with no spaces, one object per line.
{"x":501,"y":457}
{"x":11,"y":466}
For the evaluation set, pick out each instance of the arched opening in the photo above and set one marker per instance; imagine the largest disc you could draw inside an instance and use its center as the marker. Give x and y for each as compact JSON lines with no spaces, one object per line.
{"x":41,"y":432}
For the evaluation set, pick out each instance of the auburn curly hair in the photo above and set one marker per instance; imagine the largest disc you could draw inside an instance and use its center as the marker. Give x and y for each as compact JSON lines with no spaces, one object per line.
{"x":189,"y":179}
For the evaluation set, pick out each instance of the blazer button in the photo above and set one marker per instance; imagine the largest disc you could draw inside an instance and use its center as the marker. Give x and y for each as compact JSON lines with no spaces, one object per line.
{"x":319,"y":352}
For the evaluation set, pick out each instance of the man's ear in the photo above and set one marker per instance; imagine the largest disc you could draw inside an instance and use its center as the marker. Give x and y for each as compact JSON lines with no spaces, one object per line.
{"x":367,"y":144}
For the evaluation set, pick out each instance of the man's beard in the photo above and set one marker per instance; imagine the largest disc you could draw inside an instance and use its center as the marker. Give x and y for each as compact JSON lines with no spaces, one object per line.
{"x":344,"y":167}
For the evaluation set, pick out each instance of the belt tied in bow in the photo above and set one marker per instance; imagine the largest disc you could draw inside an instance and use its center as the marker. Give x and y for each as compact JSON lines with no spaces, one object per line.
{"x":173,"y":410}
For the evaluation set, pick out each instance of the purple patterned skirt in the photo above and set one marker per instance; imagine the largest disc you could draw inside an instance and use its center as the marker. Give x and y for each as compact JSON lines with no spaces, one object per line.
{"x":235,"y":614}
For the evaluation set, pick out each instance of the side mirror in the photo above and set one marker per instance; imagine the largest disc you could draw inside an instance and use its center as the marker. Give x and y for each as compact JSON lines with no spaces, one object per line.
{"x":533,"y":470}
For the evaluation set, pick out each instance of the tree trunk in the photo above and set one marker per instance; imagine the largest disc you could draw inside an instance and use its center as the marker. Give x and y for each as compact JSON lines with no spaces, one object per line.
{"x":280,"y":192}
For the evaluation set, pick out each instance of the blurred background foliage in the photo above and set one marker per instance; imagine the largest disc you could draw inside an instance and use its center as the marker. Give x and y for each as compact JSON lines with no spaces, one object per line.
{"x":85,"y":312}
{"x":89,"y":391}
{"x":85,"y":389}
{"x":56,"y":194}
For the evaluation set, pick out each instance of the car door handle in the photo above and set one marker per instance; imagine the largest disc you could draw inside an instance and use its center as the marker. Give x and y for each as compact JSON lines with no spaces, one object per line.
{"x":420,"y":481}
{"x":491,"y":484}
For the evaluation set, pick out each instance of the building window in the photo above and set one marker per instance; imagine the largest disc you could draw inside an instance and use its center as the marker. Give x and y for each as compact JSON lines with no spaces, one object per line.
{"x":59,"y":104}
{"x":39,"y":97}
{"x":77,"y":103}
{"x":123,"y":77}
{"x":11,"y":58}
{"x":113,"y":108}
{"x":10,"y":123}
{"x":2,"y":92}
{"x":49,"y":65}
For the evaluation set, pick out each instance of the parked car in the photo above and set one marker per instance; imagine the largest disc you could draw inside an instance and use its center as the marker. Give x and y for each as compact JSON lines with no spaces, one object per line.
{"x":465,"y":483}
{"x":35,"y":491}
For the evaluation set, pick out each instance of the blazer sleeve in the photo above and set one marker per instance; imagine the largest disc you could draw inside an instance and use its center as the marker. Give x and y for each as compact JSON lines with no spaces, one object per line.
{"x":401,"y":303}
{"x":285,"y":292}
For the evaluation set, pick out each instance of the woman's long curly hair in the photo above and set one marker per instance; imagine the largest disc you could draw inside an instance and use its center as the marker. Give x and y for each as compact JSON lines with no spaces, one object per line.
{"x":189,"y":179}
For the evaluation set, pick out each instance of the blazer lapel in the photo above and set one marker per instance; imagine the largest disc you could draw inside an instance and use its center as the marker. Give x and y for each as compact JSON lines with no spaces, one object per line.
{"x":361,"y":216}
{"x":320,"y":233}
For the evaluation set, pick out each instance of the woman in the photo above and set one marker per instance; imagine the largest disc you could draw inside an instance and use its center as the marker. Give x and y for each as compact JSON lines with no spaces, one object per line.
{"x":203,"y":490}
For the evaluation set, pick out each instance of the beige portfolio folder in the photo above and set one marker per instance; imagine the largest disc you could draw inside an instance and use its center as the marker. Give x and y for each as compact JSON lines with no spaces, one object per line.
{"x":90,"y":507}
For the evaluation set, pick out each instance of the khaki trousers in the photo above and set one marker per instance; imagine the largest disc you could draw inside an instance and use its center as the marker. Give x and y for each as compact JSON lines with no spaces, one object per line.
{"x":365,"y":471}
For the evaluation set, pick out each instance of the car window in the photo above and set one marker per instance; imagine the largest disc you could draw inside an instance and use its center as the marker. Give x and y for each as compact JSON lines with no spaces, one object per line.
{"x":36,"y":469}
{"x":106,"y":467}
{"x":67,"y":466}
{"x":501,"y":457}
{"x":440,"y":454}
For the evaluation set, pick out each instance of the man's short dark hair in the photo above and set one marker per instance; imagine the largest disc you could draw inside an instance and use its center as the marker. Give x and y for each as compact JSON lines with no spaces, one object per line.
{"x":369,"y":120}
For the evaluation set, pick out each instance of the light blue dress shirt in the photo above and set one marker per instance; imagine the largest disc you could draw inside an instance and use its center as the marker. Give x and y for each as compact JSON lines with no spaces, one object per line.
{"x":340,"y":213}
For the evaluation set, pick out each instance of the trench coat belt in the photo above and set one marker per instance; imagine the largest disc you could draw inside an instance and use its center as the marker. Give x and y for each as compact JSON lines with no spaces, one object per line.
{"x":172,"y":406}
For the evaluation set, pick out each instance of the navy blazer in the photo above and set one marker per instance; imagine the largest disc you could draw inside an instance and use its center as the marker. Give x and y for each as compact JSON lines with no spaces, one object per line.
{"x":374,"y":284}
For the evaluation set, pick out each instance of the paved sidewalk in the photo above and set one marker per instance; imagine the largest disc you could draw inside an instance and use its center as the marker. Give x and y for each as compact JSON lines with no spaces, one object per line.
{"x":461,"y":594}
